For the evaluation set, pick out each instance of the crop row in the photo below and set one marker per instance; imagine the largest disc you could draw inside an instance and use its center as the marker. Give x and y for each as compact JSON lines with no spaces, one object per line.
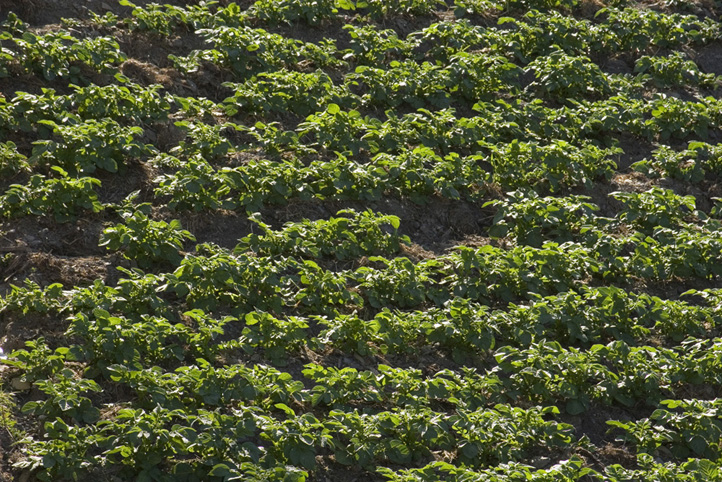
{"x":85,"y":141}
{"x":664,"y":245}
{"x":238,"y":441}
{"x":461,"y":328}
{"x":464,"y":77}
{"x":215,"y":278}
{"x":208,"y":412}
{"x":533,"y":34}
{"x":492,"y":137}
{"x":573,"y":469}
{"x":195,"y":403}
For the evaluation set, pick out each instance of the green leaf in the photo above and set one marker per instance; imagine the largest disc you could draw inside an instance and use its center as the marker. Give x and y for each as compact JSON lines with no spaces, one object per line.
{"x":395,"y":221}
{"x":288,"y":410}
{"x":575,"y":407}
{"x":64,"y":405}
{"x":221,"y":470}
{"x":400,"y":447}
{"x":343,"y":458}
{"x":498,"y":231}
{"x":63,"y":173}
{"x":698,"y":445}
{"x":91,"y":415}
{"x":308,"y":459}
{"x":470,"y":451}
{"x":48,"y":461}
{"x":345,"y":5}
{"x":252,"y":318}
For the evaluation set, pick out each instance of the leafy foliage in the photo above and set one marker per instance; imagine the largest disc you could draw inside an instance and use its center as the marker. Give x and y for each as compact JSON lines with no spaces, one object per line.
{"x":311,"y":320}
{"x":145,"y":241}
{"x":62,"y":197}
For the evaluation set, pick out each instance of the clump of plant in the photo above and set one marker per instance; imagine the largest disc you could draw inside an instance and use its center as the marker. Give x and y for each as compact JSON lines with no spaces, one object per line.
{"x":11,"y":161}
{"x":674,"y":70}
{"x":654,"y":208}
{"x":62,"y":197}
{"x":562,"y":76}
{"x":8,"y":409}
{"x":60,"y":55}
{"x":347,"y":236}
{"x":532,"y":219}
{"x":312,"y":12}
{"x":145,"y":241}
{"x":82,"y":147}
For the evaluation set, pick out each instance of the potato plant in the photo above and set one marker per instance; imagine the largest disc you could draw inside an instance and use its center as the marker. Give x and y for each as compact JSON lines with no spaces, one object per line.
{"x":411,"y":240}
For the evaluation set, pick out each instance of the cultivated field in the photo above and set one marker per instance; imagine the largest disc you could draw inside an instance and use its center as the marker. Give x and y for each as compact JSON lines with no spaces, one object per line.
{"x":340,"y":240}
